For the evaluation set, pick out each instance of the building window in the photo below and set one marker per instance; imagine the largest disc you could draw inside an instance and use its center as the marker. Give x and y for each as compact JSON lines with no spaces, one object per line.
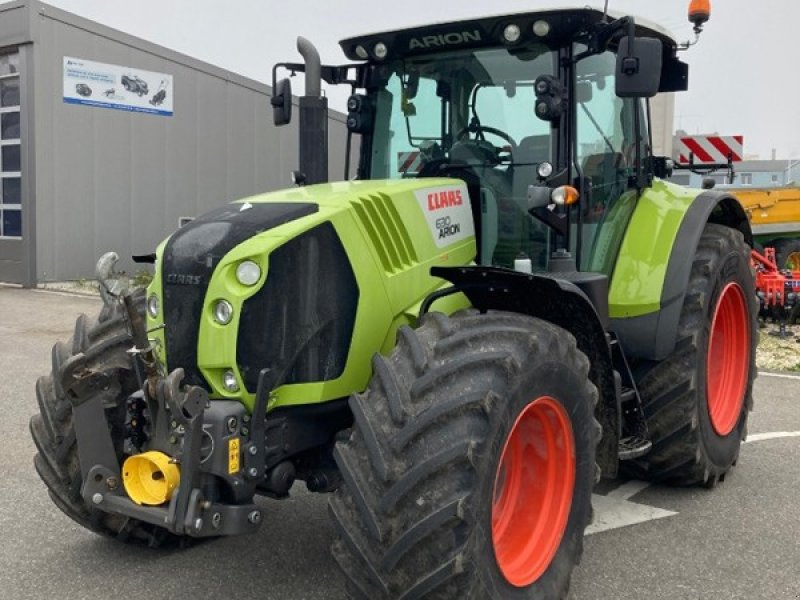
{"x":746,"y":178}
{"x":10,"y":148}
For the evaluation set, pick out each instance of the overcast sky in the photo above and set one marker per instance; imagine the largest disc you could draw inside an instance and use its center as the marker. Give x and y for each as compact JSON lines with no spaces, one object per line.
{"x":744,"y":74}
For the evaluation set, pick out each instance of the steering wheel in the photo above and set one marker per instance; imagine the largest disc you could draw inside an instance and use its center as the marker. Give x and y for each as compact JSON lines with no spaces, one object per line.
{"x":486,"y":129}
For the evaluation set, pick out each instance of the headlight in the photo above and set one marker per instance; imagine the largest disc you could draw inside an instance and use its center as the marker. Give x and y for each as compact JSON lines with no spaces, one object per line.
{"x":152,"y":306}
{"x":223,"y":312}
{"x":544,"y":170}
{"x":248,"y":272}
{"x":229,"y":381}
{"x":541,"y":28}
{"x":511,"y":33}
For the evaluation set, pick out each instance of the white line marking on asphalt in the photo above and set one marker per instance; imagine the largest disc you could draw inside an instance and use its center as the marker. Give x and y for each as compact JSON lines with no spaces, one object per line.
{"x":615,"y":510}
{"x":628,"y":490}
{"x":773,"y":435}
{"x":779,"y":375}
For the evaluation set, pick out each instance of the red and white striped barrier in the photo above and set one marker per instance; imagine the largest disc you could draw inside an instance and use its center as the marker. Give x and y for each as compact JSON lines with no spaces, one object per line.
{"x":710,"y":149}
{"x":409,"y":162}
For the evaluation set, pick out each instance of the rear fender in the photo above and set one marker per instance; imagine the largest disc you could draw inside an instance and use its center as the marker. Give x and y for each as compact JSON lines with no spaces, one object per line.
{"x":650,"y":278}
{"x":561,"y":303}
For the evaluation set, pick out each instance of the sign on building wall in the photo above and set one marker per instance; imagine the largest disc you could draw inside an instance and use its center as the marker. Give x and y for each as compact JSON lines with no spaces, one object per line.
{"x":112,"y":86}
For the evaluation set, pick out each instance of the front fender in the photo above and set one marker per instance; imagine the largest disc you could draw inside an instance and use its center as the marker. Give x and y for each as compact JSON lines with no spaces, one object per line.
{"x":561,"y":302}
{"x":652,"y":270}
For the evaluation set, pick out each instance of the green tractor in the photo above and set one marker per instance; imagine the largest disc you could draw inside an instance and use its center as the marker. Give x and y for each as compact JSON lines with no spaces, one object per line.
{"x":505,"y":304}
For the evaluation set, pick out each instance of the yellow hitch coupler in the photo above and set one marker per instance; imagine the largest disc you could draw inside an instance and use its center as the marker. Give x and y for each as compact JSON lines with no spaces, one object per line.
{"x":150,"y":478}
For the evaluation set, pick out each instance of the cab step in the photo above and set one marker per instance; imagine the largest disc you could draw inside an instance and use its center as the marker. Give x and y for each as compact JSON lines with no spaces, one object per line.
{"x":633,"y":447}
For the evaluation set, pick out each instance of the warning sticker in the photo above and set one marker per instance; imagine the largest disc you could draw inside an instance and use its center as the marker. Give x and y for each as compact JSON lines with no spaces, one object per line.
{"x":233,"y":456}
{"x":448,"y":213}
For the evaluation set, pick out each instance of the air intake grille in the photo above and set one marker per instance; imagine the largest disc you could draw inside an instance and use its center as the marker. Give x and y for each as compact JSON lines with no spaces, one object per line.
{"x":386,"y":232}
{"x":300,"y":324}
{"x":190,"y":257}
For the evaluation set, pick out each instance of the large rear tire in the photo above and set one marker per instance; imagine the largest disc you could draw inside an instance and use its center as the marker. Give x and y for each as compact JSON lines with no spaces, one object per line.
{"x":696,"y":401}
{"x":471,"y":464}
{"x":100,"y":346}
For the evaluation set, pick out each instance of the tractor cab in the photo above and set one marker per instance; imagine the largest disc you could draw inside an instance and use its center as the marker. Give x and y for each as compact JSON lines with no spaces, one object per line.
{"x":543,"y":115}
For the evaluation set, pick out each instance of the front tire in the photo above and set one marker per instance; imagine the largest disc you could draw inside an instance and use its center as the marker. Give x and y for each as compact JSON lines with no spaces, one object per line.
{"x":100,"y":346}
{"x":696,"y":401}
{"x":470,"y":468}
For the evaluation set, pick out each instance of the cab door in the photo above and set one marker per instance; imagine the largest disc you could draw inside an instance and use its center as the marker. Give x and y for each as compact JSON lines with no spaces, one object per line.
{"x":610,"y":146}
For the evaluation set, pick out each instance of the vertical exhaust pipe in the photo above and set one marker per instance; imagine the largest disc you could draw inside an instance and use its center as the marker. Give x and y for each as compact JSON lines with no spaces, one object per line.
{"x":313,"y":150}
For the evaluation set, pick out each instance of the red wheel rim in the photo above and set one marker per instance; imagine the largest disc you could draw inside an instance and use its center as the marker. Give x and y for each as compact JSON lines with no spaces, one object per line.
{"x":533,"y":491}
{"x":728,"y":364}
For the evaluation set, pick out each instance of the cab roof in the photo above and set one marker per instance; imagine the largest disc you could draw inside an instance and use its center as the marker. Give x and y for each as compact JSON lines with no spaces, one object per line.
{"x":564,"y":24}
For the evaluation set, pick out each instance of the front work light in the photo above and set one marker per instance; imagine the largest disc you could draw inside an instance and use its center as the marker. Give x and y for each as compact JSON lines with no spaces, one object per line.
{"x":229,"y":381}
{"x":544,"y":170}
{"x":152,"y":306}
{"x":541,"y":28}
{"x":248,"y":272}
{"x":511,"y":33}
{"x":223,"y":312}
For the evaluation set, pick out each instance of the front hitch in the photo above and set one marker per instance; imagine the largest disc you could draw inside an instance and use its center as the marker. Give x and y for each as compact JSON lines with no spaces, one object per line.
{"x":189,"y":510}
{"x":204,"y":459}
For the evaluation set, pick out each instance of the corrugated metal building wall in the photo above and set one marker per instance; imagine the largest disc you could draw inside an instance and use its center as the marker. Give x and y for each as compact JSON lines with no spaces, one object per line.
{"x":96,"y":179}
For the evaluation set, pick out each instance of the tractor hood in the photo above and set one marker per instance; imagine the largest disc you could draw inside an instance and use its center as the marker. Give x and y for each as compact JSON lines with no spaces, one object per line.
{"x":190,"y":257}
{"x":335,"y":262}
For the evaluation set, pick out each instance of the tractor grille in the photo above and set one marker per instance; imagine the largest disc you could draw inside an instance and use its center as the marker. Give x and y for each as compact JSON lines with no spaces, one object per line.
{"x":189,"y":259}
{"x":300,"y":324}
{"x":386,"y":231}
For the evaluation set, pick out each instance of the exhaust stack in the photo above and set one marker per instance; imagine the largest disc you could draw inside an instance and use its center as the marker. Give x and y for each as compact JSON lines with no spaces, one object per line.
{"x":313,"y":150}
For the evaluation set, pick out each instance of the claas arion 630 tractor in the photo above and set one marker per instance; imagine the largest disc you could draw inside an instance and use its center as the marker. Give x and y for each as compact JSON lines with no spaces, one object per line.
{"x":502,"y":303}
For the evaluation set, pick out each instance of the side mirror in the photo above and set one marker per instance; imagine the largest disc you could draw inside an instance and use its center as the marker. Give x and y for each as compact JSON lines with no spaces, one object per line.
{"x":282,"y":102}
{"x":638,"y":71}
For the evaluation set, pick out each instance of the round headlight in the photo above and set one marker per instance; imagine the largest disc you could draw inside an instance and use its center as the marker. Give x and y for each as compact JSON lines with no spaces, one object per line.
{"x":248,"y":272}
{"x":541,"y":28}
{"x":545,"y":169}
{"x":361,"y":52}
{"x":381,"y":50}
{"x":511,"y":33}
{"x":223,"y":312}
{"x":152,"y":306}
{"x":229,"y":381}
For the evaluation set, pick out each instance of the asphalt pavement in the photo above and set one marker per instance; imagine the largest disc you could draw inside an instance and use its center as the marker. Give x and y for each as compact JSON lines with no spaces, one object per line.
{"x":738,"y":541}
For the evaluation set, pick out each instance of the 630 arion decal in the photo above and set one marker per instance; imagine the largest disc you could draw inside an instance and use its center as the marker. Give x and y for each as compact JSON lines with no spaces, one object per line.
{"x":448,"y":213}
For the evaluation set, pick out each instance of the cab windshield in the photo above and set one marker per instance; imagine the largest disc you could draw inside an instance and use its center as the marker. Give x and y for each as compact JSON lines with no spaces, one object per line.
{"x":470,"y":115}
{"x":473,"y":107}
